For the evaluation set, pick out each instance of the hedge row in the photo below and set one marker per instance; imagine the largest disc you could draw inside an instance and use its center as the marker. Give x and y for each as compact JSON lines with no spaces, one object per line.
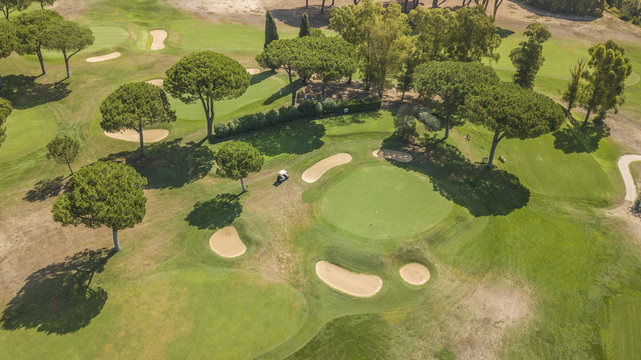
{"x":306,"y":109}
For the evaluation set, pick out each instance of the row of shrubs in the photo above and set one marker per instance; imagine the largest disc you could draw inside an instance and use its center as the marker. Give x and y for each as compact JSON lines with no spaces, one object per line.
{"x":304,"y":110}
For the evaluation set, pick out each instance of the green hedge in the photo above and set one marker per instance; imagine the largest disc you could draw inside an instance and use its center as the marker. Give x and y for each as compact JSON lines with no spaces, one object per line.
{"x":304,"y":110}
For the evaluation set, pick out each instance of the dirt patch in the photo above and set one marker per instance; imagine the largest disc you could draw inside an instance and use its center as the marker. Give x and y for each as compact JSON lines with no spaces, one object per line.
{"x":415,"y":274}
{"x":488,"y":312}
{"x":226,"y":243}
{"x":351,"y":283}
{"x":110,"y":56}
{"x":317,"y":170}
{"x":253,"y":71}
{"x":149,"y":136}
{"x":157,"y":82}
{"x":159,"y":37}
{"x":393,"y":155}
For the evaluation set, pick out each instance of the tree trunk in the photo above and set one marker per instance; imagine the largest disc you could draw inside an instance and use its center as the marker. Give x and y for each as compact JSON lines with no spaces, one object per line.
{"x":349,"y":80}
{"x":41,"y":60}
{"x":1,"y":83}
{"x":495,"y":142}
{"x":115,"y":235}
{"x":208,"y":106}
{"x":142,"y":142}
{"x":323,"y":7}
{"x":323,"y":91}
{"x":587,"y":117}
{"x":69,"y":165}
{"x":242,"y":183}
{"x":447,"y":125}
{"x":306,"y":4}
{"x":64,"y":53}
{"x":403,"y":95}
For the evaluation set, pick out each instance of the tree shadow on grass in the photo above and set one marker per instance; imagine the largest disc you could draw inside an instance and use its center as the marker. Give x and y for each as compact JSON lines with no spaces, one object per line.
{"x":260,"y":77}
{"x":170,"y":164}
{"x":287,"y":91}
{"x":24,"y":92}
{"x":292,"y":16}
{"x":216,"y":213}
{"x":45,"y":189}
{"x":482,"y":191}
{"x":59,"y":299}
{"x":580,"y":139}
{"x":298,"y":137}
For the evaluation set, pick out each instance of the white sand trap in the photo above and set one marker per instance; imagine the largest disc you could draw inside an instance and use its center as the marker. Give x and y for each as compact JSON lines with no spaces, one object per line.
{"x":393,"y":155}
{"x":111,"y":56}
{"x":157,"y":82}
{"x":317,"y":170}
{"x":253,"y":71}
{"x":159,"y":39}
{"x":149,"y":136}
{"x":226,"y":243}
{"x":359,"y":285}
{"x":415,"y":274}
{"x":624,"y":168}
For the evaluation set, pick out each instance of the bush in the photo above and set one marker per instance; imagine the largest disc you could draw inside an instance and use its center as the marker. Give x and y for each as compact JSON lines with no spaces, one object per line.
{"x":405,"y":122}
{"x":430,"y":121}
{"x":306,"y":109}
{"x":445,"y":354}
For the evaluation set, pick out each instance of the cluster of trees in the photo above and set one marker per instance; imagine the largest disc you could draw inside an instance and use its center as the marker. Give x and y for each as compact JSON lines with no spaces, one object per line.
{"x":598,"y":85}
{"x":9,"y":6}
{"x":32,"y":32}
{"x":577,"y":7}
{"x":5,"y":111}
{"x":628,"y":10}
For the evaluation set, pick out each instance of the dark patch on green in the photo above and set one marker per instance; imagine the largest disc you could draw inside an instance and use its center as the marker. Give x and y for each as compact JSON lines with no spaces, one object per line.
{"x":45,"y":189}
{"x":293,"y":138}
{"x":350,"y":338}
{"x":215,"y":213}
{"x":24,"y":92}
{"x":580,"y":139}
{"x":58,"y":299}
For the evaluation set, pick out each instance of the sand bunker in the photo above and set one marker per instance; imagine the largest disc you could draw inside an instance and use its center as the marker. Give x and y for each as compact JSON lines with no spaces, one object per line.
{"x":149,"y":136}
{"x":111,"y":56}
{"x":317,"y":170}
{"x":159,"y":39}
{"x":359,"y":285}
{"x":624,"y":168}
{"x":253,"y":71}
{"x":392,"y":155}
{"x":157,"y":82}
{"x":226,"y":243}
{"x":415,"y":274}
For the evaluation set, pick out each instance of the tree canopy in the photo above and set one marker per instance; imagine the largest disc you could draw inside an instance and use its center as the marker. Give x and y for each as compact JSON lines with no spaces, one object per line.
{"x":135,"y":106}
{"x":5,"y":111}
{"x":9,"y":6}
{"x":509,"y":110}
{"x":63,"y":149}
{"x":453,"y":82}
{"x":33,"y":32}
{"x":68,"y":37}
{"x":44,"y":3}
{"x":291,"y":56}
{"x":528,"y":57}
{"x":8,"y":41}
{"x":207,"y":76}
{"x":332,"y":59}
{"x":237,"y":159}
{"x":608,"y":69}
{"x":103,"y":194}
{"x":304,"y":26}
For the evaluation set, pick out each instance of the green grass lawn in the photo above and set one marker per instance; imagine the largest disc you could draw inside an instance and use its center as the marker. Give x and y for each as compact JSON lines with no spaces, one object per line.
{"x":534,"y":225}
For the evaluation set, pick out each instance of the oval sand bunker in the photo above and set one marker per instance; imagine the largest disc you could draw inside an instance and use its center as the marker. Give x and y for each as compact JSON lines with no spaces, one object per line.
{"x":415,"y":274}
{"x":149,"y":136}
{"x":392,"y":155}
{"x":156,"y":82}
{"x":159,"y":39}
{"x":351,"y":283}
{"x":317,"y":170}
{"x":111,"y":56}
{"x":226,"y":243}
{"x":253,"y":71}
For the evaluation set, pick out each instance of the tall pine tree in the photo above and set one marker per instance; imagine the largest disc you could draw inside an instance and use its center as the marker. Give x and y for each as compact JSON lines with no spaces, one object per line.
{"x":304,"y":26}
{"x":271,"y":33}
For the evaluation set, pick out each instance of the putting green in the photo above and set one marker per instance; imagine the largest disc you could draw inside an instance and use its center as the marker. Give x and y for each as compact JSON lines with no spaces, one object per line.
{"x":383,"y":202}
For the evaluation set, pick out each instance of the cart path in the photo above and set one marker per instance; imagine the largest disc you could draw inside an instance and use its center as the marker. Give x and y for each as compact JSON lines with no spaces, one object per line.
{"x":624,"y":168}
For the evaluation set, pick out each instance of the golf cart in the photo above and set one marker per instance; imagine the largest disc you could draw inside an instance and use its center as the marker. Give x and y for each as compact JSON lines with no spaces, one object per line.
{"x":282,"y":176}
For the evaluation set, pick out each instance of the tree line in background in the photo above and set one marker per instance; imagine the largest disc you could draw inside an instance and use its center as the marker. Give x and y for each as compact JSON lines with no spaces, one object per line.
{"x":9,"y":6}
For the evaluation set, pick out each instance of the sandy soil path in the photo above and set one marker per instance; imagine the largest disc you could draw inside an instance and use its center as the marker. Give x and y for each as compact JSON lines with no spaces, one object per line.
{"x":159,"y":39}
{"x":317,"y":170}
{"x":392,"y":155}
{"x":149,"y":136}
{"x":351,"y":283}
{"x":110,"y":56}
{"x":415,"y":274}
{"x":624,"y":168}
{"x":226,"y":243}
{"x":157,"y":82}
